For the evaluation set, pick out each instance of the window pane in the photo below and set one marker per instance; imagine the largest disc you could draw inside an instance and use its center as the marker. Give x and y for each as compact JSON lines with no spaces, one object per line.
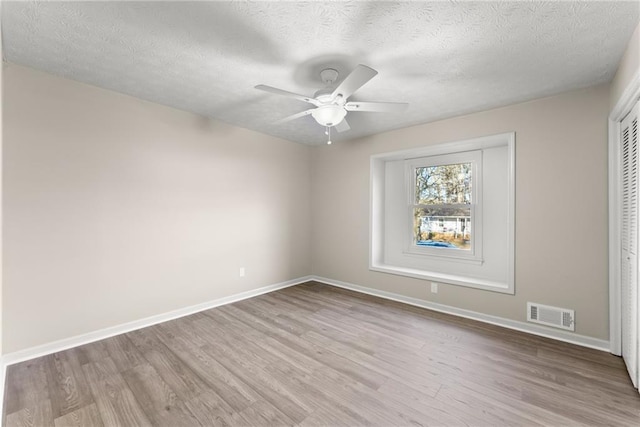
{"x":444,"y":184}
{"x":442,"y":227}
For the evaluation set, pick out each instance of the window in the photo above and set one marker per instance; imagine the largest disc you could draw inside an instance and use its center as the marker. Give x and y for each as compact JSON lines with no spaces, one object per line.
{"x":445,"y":212}
{"x":444,"y":205}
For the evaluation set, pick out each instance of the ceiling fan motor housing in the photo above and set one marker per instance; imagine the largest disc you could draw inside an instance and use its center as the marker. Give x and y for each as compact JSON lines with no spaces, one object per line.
{"x":332,"y":111}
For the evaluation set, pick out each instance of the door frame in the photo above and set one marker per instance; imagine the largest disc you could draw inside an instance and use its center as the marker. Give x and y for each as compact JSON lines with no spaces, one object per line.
{"x":627,"y":100}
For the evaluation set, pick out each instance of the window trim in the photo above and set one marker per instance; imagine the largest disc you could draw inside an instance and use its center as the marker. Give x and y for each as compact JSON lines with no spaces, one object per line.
{"x":474,"y":254}
{"x":377,"y":212}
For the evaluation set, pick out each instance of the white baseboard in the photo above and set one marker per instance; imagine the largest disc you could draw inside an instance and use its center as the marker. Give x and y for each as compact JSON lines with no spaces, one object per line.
{"x":542,"y":331}
{"x":64,"y":344}
{"x":53,"y":347}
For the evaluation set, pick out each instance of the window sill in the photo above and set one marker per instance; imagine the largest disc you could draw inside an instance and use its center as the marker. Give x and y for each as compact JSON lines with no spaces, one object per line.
{"x":417,"y":253}
{"x":468,"y":282}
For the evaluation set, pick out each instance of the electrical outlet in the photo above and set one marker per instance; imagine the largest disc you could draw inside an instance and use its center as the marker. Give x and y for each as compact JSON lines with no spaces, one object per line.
{"x":242,"y":271}
{"x":434,"y":287}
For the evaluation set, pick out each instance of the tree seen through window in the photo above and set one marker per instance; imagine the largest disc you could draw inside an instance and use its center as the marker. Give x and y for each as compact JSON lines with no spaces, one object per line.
{"x":442,"y":206}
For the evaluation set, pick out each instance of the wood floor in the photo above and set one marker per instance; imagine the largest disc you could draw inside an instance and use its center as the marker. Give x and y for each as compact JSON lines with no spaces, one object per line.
{"x":318,"y":355}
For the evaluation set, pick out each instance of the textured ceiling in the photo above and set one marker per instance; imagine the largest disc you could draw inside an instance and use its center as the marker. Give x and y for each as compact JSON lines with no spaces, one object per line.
{"x":444,"y":58}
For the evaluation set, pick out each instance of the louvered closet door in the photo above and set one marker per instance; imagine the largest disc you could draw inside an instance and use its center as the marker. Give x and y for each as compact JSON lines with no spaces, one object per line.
{"x":629,"y":242}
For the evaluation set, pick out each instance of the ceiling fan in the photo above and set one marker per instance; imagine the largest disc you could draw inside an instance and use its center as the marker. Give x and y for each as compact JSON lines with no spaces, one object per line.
{"x":332,"y":105}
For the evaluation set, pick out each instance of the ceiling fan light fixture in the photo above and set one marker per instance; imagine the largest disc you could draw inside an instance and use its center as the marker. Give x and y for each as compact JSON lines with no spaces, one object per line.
{"x":329,"y":115}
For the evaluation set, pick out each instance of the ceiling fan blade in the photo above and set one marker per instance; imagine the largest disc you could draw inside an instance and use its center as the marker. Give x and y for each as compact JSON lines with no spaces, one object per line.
{"x":277,"y":91}
{"x":343,"y":126}
{"x":354,"y":81}
{"x":295,"y":116}
{"x":378,"y":107}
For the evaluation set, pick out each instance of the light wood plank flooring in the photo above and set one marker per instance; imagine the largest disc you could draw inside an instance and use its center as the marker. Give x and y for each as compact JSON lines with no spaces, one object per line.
{"x":318,"y":355}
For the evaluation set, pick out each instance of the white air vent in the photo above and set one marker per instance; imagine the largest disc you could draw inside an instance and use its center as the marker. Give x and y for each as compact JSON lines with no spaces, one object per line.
{"x":562,"y":318}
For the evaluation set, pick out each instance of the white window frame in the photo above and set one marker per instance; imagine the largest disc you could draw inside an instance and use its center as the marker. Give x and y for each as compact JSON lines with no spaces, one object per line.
{"x":378,"y":261}
{"x":474,"y":254}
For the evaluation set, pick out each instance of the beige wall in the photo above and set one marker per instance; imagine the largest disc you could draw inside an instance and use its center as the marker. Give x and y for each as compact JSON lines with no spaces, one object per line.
{"x":116,"y":209}
{"x":561,"y":207}
{"x":628,"y":68}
